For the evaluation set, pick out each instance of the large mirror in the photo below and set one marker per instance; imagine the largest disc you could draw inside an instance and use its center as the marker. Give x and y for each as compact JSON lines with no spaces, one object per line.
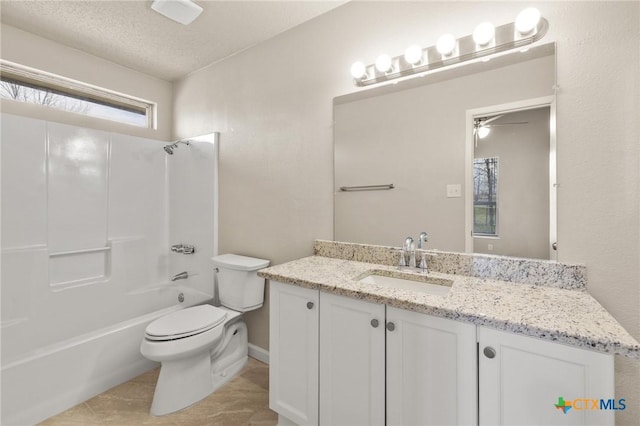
{"x":466,"y":154}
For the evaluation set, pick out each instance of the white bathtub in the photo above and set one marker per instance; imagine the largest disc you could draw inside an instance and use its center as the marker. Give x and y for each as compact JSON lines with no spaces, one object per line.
{"x":41,"y":381}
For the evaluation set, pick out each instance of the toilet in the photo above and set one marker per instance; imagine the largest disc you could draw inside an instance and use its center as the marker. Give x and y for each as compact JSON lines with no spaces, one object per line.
{"x":203,"y":347}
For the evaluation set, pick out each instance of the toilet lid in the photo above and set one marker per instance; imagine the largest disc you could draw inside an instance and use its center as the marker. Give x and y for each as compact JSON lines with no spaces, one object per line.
{"x":186,"y":322}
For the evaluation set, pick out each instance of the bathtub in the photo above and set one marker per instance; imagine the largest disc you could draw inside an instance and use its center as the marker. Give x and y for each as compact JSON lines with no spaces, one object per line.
{"x":41,"y":380}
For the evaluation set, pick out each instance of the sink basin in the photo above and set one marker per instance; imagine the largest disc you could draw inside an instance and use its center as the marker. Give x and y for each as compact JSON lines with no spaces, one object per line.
{"x":425,"y":285}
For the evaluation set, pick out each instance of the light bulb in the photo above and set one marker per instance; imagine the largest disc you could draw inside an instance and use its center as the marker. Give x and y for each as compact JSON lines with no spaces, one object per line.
{"x":384,"y":63}
{"x":445,"y":44}
{"x":483,"y":132}
{"x":358,"y":70}
{"x":413,"y":54}
{"x":527,"y":20}
{"x":484,"y":33}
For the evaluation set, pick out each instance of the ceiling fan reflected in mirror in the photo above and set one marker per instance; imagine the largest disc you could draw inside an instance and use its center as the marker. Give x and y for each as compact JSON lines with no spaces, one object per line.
{"x":482,"y":126}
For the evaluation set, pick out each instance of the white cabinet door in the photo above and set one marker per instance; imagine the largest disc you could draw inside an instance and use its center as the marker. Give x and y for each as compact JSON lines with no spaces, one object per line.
{"x":523,"y":380}
{"x":352,"y":366}
{"x":431,"y":370}
{"x":293,"y":353}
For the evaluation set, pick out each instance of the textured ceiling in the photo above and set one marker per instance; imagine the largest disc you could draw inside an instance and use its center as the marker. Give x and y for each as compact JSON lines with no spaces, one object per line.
{"x":130,"y":33}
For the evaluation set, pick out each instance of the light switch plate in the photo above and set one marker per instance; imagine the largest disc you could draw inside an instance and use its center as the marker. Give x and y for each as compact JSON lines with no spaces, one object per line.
{"x":454,"y":191}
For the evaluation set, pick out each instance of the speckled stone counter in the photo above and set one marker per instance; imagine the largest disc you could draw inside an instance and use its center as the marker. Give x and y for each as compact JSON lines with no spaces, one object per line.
{"x":569,"y":316}
{"x":503,"y":268}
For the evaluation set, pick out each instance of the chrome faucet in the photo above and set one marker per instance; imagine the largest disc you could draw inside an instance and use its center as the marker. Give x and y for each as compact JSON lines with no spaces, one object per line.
{"x":408,"y":242}
{"x":402,"y":263}
{"x":181,"y":276}
{"x":412,"y":255}
{"x":423,"y":264}
{"x":422,"y":239}
{"x":407,"y":247}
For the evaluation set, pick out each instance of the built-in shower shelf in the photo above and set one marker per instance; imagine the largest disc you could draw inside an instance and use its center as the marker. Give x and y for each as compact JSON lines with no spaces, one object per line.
{"x":72,"y":252}
{"x":73,"y":268}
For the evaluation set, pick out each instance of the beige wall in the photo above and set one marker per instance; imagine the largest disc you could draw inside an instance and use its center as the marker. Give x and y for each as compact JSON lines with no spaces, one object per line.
{"x":273,"y":107}
{"x":36,"y":52}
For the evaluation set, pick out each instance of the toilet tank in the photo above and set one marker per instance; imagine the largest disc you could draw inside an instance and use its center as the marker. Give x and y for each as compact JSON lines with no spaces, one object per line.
{"x":239,"y":286}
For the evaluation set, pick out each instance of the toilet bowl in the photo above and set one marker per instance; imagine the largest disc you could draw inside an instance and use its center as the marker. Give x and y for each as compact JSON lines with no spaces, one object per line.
{"x":203,"y":347}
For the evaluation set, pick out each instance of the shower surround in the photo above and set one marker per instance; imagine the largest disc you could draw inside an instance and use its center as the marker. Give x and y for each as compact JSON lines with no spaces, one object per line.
{"x":87,"y":221}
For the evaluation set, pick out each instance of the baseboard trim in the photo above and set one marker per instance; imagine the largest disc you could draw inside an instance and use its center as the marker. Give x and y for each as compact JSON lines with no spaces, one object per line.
{"x":258,"y":353}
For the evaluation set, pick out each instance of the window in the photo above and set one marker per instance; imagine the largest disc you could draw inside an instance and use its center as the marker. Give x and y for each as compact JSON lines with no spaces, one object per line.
{"x":485,"y":196}
{"x":28,"y":85}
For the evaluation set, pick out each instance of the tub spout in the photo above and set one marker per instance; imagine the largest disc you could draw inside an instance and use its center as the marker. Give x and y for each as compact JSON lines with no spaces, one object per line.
{"x":180,"y":276}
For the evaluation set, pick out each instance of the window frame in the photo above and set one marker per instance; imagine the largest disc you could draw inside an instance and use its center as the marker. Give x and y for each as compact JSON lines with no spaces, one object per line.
{"x":42,"y":80}
{"x":495,"y":234}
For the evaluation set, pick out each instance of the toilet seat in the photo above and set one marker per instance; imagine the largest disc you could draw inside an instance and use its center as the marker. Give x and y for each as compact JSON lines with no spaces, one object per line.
{"x":185,"y":323}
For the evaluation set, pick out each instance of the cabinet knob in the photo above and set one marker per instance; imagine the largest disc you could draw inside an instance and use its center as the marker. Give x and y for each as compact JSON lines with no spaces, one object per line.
{"x":489,"y":352}
{"x":309,"y":305}
{"x":374,"y":323}
{"x":391,"y":326}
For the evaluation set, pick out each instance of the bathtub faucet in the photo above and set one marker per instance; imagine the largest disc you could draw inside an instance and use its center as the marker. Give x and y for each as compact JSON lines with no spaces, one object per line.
{"x":183,"y":248}
{"x":180,"y":276}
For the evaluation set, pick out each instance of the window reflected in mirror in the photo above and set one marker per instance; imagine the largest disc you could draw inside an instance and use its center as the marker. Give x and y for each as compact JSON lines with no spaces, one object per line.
{"x":485,"y":196}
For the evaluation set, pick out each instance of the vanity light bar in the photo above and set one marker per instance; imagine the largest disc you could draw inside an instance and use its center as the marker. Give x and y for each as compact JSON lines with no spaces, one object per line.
{"x":449,"y":51}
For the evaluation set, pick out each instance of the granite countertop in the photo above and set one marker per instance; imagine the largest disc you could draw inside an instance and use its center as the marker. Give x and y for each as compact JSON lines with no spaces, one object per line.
{"x":567,"y":316}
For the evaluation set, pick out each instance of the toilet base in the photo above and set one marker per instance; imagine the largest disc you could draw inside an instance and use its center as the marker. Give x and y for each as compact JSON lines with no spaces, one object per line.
{"x":233,"y":355}
{"x":184,"y":382}
{"x":229,"y":373}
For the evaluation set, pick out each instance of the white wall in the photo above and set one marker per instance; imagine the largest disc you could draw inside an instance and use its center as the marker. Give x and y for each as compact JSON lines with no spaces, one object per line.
{"x":273,"y":105}
{"x":192,"y":191}
{"x":33,"y":51}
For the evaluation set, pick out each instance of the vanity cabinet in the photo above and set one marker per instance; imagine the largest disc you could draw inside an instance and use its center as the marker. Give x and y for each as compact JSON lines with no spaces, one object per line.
{"x":293,"y":352}
{"x":379,"y":363}
{"x":352,"y":361}
{"x":521,"y":380}
{"x":431,"y":370}
{"x":336,"y":360}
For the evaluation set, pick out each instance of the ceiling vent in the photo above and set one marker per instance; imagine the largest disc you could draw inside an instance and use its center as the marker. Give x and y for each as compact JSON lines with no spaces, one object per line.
{"x":182,"y":11}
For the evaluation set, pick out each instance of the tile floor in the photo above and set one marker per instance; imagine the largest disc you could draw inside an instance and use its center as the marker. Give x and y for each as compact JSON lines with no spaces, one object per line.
{"x":242,"y":401}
